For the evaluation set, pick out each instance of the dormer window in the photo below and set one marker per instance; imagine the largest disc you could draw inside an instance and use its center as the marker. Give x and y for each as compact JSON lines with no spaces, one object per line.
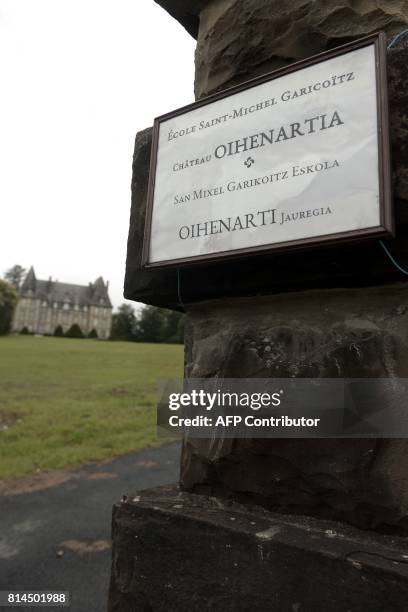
{"x":66,"y":306}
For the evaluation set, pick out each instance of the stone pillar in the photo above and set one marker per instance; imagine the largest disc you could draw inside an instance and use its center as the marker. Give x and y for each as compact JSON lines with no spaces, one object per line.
{"x":321,"y":333}
{"x":338,"y":312}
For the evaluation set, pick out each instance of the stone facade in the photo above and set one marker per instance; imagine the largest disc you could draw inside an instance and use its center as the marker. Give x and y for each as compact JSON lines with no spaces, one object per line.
{"x":44,"y":305}
{"x":240,"y":39}
{"x":347,"y":333}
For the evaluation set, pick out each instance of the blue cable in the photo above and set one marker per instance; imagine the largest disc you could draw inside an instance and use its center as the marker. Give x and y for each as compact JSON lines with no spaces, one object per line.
{"x":397,"y":38}
{"x":393,"y":42}
{"x":396,"y":264}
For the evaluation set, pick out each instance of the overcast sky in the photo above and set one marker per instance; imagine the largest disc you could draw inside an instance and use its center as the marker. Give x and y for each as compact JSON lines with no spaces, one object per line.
{"x":78,"y":79}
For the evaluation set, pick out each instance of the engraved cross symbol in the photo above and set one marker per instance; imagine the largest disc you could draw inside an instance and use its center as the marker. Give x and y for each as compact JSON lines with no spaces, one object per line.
{"x":248,"y":162}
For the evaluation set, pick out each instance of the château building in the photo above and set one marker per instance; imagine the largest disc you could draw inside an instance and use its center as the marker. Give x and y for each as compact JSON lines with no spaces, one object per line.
{"x":44,"y":305}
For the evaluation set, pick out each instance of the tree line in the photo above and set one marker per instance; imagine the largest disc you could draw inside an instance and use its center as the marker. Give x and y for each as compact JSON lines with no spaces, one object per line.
{"x":150,"y":324}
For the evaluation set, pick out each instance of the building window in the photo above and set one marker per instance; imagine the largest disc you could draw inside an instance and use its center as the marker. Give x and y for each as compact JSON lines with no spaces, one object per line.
{"x":44,"y":303}
{"x":85,"y":308}
{"x":66,"y":306}
{"x":55,"y":305}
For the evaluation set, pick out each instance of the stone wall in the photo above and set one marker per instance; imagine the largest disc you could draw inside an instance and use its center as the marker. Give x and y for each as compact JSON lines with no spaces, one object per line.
{"x":239,"y":39}
{"x":315,"y":334}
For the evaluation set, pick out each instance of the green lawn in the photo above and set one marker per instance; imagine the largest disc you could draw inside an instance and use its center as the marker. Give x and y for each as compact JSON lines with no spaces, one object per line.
{"x":64,"y":402}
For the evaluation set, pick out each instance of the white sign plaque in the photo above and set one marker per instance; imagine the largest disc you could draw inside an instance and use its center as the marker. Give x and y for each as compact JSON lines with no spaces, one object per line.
{"x":295,"y":158}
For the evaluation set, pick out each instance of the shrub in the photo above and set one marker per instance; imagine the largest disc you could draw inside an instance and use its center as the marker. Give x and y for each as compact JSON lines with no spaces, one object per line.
{"x":24,"y":331}
{"x":58,"y":331}
{"x":74,"y":332}
{"x":93,"y":334}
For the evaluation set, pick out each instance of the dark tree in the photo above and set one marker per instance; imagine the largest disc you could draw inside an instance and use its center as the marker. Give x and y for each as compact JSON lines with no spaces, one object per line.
{"x":15,"y":275}
{"x":8,"y":299}
{"x":58,"y":331}
{"x":123,"y":323}
{"x":74,"y":332}
{"x":151,"y":325}
{"x":174,"y":327}
{"x":93,"y":334}
{"x":160,"y":325}
{"x":24,"y":331}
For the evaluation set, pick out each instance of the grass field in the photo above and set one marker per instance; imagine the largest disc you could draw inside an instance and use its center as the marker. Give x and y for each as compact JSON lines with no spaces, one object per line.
{"x":64,"y":402}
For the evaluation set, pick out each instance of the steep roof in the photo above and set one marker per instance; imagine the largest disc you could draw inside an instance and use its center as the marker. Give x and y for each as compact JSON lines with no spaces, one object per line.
{"x":29,"y":281}
{"x":94,"y":294}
